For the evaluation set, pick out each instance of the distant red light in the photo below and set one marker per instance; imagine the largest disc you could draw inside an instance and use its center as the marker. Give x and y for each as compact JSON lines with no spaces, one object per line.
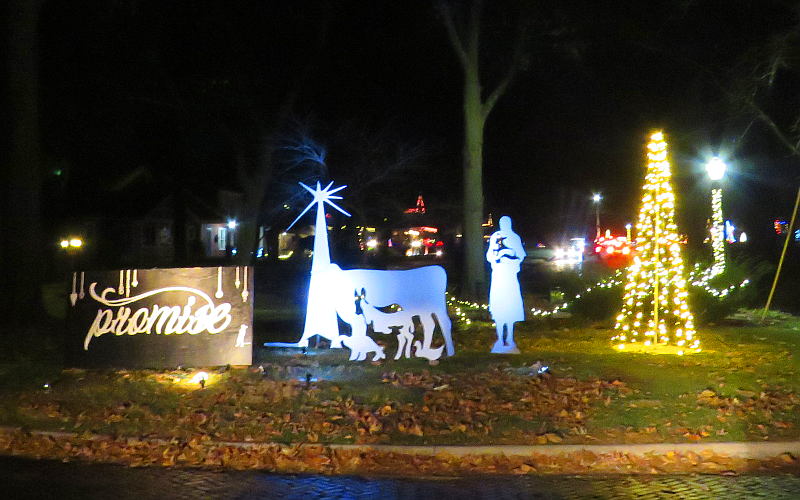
{"x":613,"y":246}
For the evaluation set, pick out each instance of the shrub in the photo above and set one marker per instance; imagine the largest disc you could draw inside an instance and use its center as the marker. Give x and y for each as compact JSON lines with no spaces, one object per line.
{"x":711,"y":306}
{"x":599,"y":304}
{"x":707,"y":304}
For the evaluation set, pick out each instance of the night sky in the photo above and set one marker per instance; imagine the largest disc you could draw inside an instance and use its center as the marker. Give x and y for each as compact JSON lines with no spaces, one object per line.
{"x":170,"y":85}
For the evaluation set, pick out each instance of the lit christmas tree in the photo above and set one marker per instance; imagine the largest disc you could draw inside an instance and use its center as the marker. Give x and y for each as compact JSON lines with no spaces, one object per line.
{"x":655,"y":315}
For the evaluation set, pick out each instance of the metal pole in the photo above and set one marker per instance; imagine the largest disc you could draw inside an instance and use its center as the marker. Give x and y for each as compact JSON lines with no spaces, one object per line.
{"x":656,"y":268}
{"x":597,"y":219}
{"x":783,"y":254}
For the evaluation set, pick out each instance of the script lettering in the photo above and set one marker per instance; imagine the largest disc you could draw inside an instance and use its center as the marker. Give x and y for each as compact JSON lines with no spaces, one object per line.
{"x":168,"y":320}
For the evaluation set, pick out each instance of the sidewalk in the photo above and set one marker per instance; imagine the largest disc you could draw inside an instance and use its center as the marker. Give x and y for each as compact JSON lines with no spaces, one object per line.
{"x":24,"y":478}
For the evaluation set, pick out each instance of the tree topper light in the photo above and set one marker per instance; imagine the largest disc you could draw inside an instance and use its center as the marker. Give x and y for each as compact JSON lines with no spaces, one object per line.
{"x":320,"y":311}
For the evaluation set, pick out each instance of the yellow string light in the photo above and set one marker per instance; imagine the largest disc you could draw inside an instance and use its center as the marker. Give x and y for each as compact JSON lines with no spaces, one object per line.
{"x":698,"y":277}
{"x":717,"y":232}
{"x":655,"y":312}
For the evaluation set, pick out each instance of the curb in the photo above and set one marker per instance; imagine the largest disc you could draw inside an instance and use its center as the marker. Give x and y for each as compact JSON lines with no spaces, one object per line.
{"x":743,"y":450}
{"x":754,"y":451}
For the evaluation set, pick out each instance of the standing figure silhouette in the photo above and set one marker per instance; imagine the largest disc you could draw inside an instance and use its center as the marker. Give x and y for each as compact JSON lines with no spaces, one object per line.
{"x":505,"y":255}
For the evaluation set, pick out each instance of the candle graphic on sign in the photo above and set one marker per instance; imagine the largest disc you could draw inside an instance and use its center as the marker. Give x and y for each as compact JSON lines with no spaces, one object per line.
{"x":245,"y":293}
{"x":73,"y":296}
{"x":219,"y":283}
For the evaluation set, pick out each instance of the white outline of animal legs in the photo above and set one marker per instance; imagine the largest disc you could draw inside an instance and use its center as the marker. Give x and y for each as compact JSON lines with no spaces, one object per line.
{"x":387,"y":323}
{"x":400,"y":319}
{"x":361,"y":346}
{"x":404,"y":341}
{"x":446,"y":327}
{"x":423,"y":349}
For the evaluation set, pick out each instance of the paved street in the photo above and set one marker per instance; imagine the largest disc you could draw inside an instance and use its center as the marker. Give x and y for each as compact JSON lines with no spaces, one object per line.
{"x":24,"y":478}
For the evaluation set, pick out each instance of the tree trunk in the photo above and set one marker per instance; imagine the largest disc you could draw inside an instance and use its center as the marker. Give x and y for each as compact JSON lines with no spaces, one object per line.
{"x":247,"y":233}
{"x":247,"y":241}
{"x":179,"y":247}
{"x":22,"y":236}
{"x":473,"y":281}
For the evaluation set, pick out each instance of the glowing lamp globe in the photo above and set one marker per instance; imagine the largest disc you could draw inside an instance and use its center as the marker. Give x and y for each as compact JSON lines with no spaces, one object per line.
{"x":716,"y":169}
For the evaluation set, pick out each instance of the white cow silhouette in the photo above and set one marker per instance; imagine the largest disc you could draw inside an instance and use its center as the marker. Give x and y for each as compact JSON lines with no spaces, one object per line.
{"x":419,"y":292}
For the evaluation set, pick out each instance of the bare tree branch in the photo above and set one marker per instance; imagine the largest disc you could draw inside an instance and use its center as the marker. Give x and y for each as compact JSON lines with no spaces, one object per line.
{"x":452,"y":33}
{"x":746,"y":97}
{"x":513,"y":69}
{"x":474,"y":29}
{"x":770,"y":123}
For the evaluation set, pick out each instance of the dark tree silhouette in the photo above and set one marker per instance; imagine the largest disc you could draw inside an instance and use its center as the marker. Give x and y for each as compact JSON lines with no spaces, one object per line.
{"x":21,"y":249}
{"x":463,"y":30}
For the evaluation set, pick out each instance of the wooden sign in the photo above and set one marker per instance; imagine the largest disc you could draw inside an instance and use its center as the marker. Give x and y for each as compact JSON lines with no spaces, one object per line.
{"x":161,"y":318}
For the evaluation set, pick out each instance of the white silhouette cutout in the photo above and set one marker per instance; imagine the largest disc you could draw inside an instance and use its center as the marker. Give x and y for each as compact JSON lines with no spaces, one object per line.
{"x":414,"y":293}
{"x":505,"y":255}
{"x":320,"y":313}
{"x":360,"y":297}
{"x":360,"y":346}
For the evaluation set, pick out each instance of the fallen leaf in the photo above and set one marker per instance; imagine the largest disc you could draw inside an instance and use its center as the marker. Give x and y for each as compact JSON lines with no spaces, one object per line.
{"x":553,"y":438}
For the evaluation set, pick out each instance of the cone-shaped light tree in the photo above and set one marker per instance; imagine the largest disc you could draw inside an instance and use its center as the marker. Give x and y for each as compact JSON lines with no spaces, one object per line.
{"x":655,"y":314}
{"x":321,"y":316}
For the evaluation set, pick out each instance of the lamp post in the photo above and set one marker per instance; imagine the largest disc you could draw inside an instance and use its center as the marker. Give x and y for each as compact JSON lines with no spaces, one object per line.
{"x":231,"y":240}
{"x":596,"y":197}
{"x":716,"y":171}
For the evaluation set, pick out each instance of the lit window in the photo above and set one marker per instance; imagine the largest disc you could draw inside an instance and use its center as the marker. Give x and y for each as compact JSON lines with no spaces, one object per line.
{"x":222,"y":234}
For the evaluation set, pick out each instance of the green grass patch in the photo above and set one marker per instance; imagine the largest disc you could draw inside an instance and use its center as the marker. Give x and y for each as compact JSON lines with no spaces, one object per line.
{"x":744,"y":385}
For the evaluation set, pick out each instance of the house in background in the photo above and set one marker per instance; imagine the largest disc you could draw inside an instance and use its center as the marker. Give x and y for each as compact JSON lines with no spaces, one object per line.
{"x":219,"y":228}
{"x":125,"y":237}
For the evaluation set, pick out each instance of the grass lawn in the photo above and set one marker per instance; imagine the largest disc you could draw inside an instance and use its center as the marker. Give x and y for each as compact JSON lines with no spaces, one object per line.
{"x":742,"y":386}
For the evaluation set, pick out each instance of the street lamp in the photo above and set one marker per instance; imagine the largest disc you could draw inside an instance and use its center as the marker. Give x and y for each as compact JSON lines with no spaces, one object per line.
{"x":71,"y":243}
{"x":72,"y":247}
{"x":716,"y":171}
{"x":230,"y":245}
{"x":596,"y":197}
